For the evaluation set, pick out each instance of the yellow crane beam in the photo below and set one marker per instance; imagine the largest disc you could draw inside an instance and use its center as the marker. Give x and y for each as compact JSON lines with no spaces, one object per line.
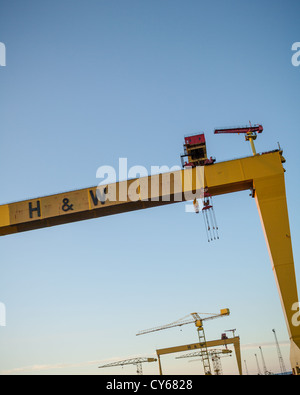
{"x":196,"y":346}
{"x":99,"y":201}
{"x":263,"y":174}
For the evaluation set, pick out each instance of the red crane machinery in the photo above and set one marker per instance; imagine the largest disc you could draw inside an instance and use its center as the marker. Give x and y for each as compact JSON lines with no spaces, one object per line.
{"x":195,"y":150}
{"x":249,"y":131}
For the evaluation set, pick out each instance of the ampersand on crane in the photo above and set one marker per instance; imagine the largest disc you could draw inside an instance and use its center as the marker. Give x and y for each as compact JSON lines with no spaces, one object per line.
{"x":66,"y":206}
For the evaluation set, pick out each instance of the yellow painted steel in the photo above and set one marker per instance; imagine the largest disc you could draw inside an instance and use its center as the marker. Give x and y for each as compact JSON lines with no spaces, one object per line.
{"x":196,"y":346}
{"x":271,"y":202}
{"x":267,"y":178}
{"x":262,"y":174}
{"x":4,"y":216}
{"x":252,"y":146}
{"x":114,"y":198}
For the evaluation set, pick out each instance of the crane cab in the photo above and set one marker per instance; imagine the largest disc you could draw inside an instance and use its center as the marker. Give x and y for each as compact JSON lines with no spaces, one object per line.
{"x":195,"y":151}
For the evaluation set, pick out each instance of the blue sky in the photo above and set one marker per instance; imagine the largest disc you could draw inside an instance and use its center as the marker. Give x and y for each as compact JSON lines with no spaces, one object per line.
{"x":89,"y":82}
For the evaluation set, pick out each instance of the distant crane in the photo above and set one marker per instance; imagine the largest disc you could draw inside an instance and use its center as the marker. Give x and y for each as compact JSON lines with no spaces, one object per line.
{"x":198,"y":321}
{"x":215,"y":357}
{"x":249,"y":131}
{"x":133,"y":361}
{"x":281,"y":362}
{"x":266,"y":372}
{"x":246,"y":368}
{"x":258,"y":368}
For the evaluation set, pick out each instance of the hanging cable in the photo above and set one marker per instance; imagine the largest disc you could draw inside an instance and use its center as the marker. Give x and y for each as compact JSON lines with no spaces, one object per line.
{"x":209,"y":216}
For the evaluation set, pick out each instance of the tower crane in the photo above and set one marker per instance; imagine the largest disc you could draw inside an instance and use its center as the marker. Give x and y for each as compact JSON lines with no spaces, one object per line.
{"x":249,"y":131}
{"x":258,"y":368}
{"x":133,"y":361}
{"x":215,"y":357}
{"x":198,"y":321}
{"x":266,"y":372}
{"x":281,"y":362}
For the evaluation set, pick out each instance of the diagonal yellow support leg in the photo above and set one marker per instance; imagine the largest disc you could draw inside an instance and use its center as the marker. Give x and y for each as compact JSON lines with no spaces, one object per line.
{"x":272,"y":206}
{"x":237,"y":349}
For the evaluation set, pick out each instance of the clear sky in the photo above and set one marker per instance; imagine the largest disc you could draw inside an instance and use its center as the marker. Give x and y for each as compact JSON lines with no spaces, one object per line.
{"x":89,"y":82}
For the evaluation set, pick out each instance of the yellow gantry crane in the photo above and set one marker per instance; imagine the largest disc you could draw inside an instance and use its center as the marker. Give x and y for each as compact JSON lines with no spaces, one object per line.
{"x":261,"y":173}
{"x":197,"y":346}
{"x":133,"y":361}
{"x":215,"y":356}
{"x":198,"y":321}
